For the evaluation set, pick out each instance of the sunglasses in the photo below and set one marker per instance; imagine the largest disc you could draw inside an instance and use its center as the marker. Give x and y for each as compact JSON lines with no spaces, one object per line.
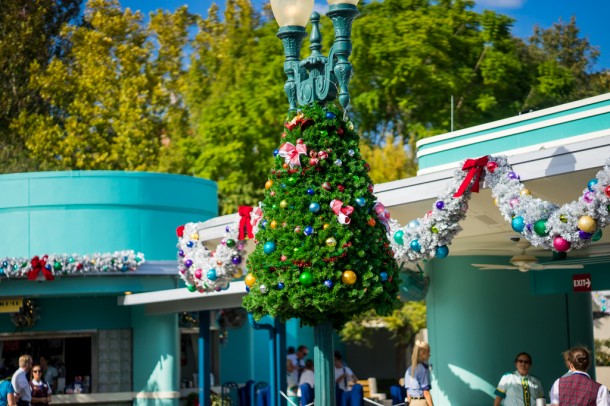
{"x":523,"y":361}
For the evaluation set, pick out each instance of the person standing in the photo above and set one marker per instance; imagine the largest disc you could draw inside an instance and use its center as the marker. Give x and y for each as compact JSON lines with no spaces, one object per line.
{"x":519,"y":388}
{"x":307,"y":375}
{"x":49,"y":372}
{"x":294,"y":366}
{"x":577,"y":388}
{"x":21,"y":385}
{"x":417,"y":377}
{"x":41,"y":390}
{"x":343,"y":374}
{"x":6,"y":388}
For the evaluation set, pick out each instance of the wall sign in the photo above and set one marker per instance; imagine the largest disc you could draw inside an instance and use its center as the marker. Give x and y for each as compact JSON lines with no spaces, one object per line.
{"x":11,"y":305}
{"x":582,"y":282}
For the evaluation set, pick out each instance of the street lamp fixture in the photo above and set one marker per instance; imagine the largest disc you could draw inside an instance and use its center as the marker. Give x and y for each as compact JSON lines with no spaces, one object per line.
{"x":317,"y":77}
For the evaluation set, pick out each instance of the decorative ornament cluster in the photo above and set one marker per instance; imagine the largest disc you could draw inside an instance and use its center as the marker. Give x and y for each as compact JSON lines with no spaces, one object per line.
{"x":27,"y":316}
{"x":207,"y":271}
{"x":53,"y":265}
{"x":545,"y":224}
{"x":601,"y":301}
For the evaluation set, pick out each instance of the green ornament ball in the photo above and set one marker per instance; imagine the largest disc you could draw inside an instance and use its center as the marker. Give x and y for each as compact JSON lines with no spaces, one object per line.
{"x":434,"y":229}
{"x":57,"y":266}
{"x":563,"y":218}
{"x":231,"y":243}
{"x":398,"y":237}
{"x":292,"y":181}
{"x":597,"y":235}
{"x":540,"y":228}
{"x":306,"y":279}
{"x":191,"y":288}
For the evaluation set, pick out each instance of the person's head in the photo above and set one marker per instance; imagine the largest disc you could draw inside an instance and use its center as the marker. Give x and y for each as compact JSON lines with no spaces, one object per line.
{"x":25,"y":362}
{"x":578,"y":358}
{"x":290,"y":350}
{"x":338,"y":360}
{"x":523,"y":362}
{"x":37,"y":372}
{"x":302,"y":352}
{"x":309,"y":364}
{"x":43,"y":361}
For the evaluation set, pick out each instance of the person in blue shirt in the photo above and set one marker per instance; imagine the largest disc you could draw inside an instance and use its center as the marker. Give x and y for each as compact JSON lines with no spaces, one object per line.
{"x":6,"y":388}
{"x":417,"y":377}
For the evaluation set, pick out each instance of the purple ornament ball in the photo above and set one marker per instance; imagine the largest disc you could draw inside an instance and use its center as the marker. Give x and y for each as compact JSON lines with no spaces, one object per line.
{"x":513,"y":175}
{"x":584,"y":235}
{"x":440,"y":205}
{"x":236,"y":259}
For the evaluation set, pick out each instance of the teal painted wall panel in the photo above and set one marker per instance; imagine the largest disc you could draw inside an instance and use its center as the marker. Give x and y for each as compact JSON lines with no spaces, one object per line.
{"x":73,"y":314}
{"x":156,"y":356}
{"x":479,"y":320}
{"x":561,"y":280}
{"x":235,"y":355}
{"x":100,"y":211}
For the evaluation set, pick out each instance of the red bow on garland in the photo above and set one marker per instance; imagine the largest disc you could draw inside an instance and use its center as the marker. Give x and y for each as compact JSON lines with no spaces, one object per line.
{"x":245,"y":222}
{"x":342,"y":212}
{"x":382,"y":214}
{"x":475,"y":169}
{"x":292,"y":153}
{"x":38,"y":265}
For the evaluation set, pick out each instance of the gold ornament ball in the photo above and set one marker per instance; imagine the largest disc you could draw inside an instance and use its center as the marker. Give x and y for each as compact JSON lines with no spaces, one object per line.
{"x":587,"y":224}
{"x":331,"y":242}
{"x":563,"y":218}
{"x":194,"y":236}
{"x":283,"y":204}
{"x":268,"y":184}
{"x":349,"y":277}
{"x":273,"y":224}
{"x":325,"y":226}
{"x":238,"y":274}
{"x":525,"y":192}
{"x":250,"y":279}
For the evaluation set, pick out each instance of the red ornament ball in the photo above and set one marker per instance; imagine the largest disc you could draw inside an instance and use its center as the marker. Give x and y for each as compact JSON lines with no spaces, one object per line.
{"x":491,"y":166}
{"x":341,"y":188}
{"x":607,"y":190}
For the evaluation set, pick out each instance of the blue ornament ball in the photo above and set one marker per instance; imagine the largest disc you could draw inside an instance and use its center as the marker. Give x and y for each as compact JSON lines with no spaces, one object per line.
{"x":328,"y":283}
{"x":592,"y":184}
{"x":413,"y":224}
{"x":311,"y":192}
{"x":308,"y":230}
{"x":247,"y":289}
{"x":5,"y":264}
{"x":269,"y":247}
{"x":398,"y":237}
{"x":190,"y":244}
{"x":415,"y":245}
{"x":227,"y":229}
{"x":442,"y":251}
{"x":360,"y":201}
{"x":280,"y":285}
{"x":518,"y":224}
{"x":383,"y":276}
{"x":440,"y":205}
{"x":314,"y":207}
{"x":330,"y":115}
{"x":275,"y":152}
{"x":264,"y":224}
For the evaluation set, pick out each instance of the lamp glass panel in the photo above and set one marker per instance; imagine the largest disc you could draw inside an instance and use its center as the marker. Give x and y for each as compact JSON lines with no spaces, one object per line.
{"x":292,"y":12}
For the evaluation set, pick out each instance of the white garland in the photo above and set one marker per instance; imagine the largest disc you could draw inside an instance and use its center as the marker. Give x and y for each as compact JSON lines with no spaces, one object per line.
{"x":64,"y":264}
{"x":429,"y":236}
{"x":207,"y":271}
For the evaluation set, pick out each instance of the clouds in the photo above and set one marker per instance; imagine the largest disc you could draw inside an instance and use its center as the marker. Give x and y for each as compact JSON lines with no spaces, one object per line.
{"x":496,"y":4}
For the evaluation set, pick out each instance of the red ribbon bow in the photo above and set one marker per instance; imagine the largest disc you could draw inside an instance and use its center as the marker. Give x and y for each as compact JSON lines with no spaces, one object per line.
{"x":258,"y":214}
{"x":475,"y":168}
{"x":38,"y":265}
{"x":245,"y":222}
{"x":342,"y":212}
{"x":382,"y":214}
{"x":292,"y":153}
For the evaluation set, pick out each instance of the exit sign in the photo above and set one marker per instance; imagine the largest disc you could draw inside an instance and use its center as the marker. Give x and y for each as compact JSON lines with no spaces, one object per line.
{"x":582,"y":282}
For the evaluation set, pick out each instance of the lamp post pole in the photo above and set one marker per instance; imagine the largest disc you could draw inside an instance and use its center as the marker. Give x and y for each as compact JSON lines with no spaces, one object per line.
{"x":317,"y":78}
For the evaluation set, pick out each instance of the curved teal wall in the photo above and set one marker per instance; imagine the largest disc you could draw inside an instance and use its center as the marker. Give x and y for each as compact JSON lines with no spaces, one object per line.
{"x":479,"y":320}
{"x":99,"y":211}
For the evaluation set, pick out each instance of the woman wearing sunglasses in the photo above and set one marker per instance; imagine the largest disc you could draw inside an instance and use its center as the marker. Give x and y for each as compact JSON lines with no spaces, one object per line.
{"x":519,"y":388}
{"x":41,"y":390}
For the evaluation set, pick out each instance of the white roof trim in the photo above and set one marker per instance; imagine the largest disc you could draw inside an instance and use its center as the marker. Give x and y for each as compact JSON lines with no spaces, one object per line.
{"x":516,"y":119}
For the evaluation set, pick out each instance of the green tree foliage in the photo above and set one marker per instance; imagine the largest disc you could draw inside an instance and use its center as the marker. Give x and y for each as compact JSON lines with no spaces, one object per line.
{"x":388,"y":162}
{"x":562,"y":62}
{"x":28,"y":33}
{"x":112,"y":101}
{"x":602,"y":352}
{"x":236,"y":99}
{"x":311,"y":262}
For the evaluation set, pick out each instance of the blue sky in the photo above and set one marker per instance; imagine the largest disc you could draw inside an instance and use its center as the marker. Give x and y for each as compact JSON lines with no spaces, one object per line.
{"x":591,"y":15}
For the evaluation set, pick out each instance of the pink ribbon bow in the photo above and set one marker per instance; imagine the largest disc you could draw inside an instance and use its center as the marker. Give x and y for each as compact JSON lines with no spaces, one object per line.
{"x":383,"y":215}
{"x":256,"y":216}
{"x":291,"y":153}
{"x":342,"y":212}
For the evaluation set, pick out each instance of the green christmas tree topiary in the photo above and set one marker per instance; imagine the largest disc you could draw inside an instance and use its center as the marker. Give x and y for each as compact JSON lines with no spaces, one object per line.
{"x":322,"y":252}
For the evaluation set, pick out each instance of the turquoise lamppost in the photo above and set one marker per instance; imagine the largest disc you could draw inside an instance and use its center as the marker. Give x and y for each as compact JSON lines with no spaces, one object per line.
{"x":317,"y":77}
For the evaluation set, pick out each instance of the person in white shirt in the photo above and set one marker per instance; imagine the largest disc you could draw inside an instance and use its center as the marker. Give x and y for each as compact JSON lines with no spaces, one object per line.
{"x":519,"y":388}
{"x":343,"y":374}
{"x":307,"y":375}
{"x":23,"y":392}
{"x":577,"y":388}
{"x":294,"y":367}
